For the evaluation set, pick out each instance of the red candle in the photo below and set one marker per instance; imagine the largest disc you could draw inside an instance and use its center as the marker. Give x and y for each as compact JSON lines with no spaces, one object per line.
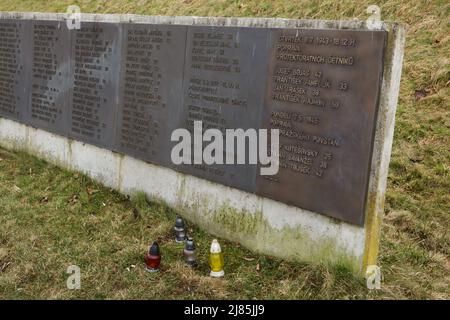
{"x":153,"y":258}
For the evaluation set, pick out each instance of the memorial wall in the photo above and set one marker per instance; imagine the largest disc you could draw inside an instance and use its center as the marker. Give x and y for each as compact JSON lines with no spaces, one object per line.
{"x":126,"y":86}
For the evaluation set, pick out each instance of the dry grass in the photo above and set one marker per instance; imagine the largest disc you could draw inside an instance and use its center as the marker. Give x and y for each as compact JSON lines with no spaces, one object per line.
{"x":43,"y":230}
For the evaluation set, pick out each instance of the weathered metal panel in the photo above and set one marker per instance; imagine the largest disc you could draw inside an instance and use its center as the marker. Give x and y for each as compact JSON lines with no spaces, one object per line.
{"x":14,"y":68}
{"x":323,"y":97}
{"x":224,"y":83}
{"x":150,"y":90}
{"x":95,"y":69}
{"x":50,"y":76}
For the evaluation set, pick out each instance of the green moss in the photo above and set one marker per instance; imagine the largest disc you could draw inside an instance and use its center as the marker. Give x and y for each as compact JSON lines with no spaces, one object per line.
{"x":239,"y":222}
{"x":252,"y":230}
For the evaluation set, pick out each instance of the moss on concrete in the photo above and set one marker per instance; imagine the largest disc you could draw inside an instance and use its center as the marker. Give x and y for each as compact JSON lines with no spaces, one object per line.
{"x":252,"y":230}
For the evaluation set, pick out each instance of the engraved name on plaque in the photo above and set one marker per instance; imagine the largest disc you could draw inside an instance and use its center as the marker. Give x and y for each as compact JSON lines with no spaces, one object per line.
{"x":50,"y":82}
{"x":95,"y":69}
{"x":323,"y":96}
{"x":151,"y":90}
{"x":224,"y":82}
{"x":14,"y":80}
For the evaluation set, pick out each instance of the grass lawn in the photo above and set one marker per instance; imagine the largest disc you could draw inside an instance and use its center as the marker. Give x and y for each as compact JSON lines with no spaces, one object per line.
{"x":51,"y":218}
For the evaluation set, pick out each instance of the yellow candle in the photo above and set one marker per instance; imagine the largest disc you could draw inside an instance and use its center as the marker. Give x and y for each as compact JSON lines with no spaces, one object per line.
{"x":216,"y":260}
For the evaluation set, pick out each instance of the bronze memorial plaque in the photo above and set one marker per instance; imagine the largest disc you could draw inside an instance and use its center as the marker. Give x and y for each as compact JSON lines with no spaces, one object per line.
{"x":322,"y":95}
{"x":150,"y":90}
{"x":224,"y":82}
{"x":95,"y":54}
{"x":50,"y":84}
{"x":14,"y":68}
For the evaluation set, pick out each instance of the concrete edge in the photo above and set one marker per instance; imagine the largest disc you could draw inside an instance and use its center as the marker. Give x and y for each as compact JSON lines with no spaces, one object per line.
{"x":208,"y":21}
{"x":384,"y":134}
